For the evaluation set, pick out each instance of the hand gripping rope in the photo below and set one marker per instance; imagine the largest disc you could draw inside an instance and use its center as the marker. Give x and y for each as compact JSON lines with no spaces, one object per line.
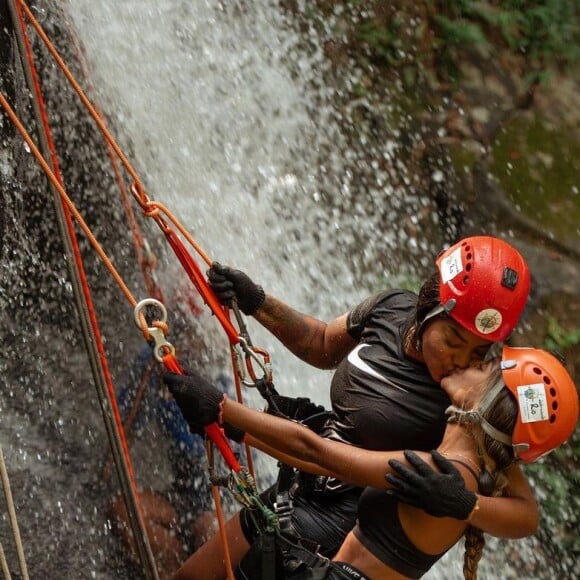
{"x":155,"y":332}
{"x":164,"y":352}
{"x":240,"y":339}
{"x":240,"y":481}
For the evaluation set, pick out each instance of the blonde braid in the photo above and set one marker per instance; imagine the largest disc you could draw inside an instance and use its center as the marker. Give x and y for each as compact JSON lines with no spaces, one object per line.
{"x":474,"y":537}
{"x":474,"y":544}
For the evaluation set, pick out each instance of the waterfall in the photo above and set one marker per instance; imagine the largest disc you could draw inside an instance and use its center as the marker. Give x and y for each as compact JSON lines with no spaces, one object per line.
{"x":226,"y":114}
{"x":224,"y":130}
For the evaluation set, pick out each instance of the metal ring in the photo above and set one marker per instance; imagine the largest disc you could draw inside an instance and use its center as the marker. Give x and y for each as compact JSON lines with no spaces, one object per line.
{"x":149,"y":302}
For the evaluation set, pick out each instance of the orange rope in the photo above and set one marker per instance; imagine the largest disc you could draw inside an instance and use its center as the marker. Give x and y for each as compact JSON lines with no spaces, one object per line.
{"x":93,"y":112}
{"x":222,"y":529}
{"x":59,"y":188}
{"x":67,"y":201}
{"x":73,"y":210}
{"x":145,"y":258}
{"x":132,"y":415}
{"x":151,"y":209}
{"x":88,"y":302}
{"x":88,"y":306}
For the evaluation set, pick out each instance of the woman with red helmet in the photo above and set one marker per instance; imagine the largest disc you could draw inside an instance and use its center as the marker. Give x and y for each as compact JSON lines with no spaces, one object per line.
{"x":389,"y":354}
{"x":517,"y":407}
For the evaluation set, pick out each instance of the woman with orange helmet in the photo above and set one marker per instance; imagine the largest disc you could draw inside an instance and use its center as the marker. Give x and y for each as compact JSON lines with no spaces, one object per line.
{"x":389,"y":354}
{"x":547,"y":402}
{"x":517,"y":407}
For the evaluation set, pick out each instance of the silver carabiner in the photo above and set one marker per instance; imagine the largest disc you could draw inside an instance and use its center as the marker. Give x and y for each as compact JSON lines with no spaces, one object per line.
{"x":252,"y":354}
{"x":161,"y":346}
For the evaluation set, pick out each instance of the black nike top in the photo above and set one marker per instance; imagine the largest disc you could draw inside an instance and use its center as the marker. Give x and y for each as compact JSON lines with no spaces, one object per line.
{"x":381,"y":399}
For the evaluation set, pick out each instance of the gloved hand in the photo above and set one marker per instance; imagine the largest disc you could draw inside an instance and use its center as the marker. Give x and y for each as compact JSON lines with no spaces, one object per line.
{"x":198,"y":400}
{"x":440,"y":494}
{"x":228,"y":284}
{"x":234,"y":433}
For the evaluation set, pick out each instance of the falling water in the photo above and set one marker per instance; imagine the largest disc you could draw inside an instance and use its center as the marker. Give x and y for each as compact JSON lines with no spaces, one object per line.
{"x":226,"y":113}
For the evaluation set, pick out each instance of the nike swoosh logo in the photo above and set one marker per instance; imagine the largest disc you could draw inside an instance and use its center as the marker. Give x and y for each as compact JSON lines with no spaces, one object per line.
{"x":356,"y":361}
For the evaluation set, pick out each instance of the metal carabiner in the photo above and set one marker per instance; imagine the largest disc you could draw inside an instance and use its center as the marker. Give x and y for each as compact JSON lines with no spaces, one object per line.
{"x":251,"y":353}
{"x":161,"y":346}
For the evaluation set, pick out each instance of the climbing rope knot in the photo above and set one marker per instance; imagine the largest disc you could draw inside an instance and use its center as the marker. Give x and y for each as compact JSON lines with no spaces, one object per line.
{"x":162,"y":325}
{"x":150,"y":209}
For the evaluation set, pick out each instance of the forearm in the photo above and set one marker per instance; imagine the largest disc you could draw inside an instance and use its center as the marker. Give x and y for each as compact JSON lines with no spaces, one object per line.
{"x":512,"y":516}
{"x":281,"y":436}
{"x":296,"y":445}
{"x":506,"y":517}
{"x":286,"y":458}
{"x":310,"y":339}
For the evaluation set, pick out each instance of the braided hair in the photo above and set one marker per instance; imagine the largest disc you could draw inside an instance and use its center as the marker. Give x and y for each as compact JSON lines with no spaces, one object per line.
{"x":496,"y":457}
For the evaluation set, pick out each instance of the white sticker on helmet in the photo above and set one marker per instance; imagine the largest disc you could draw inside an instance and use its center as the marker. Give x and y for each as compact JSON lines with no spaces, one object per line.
{"x":533,"y":403}
{"x":488,"y":320}
{"x":451,"y":266}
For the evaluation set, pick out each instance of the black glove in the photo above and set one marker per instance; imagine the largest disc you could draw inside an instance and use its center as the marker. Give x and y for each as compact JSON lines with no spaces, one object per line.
{"x":440,"y":494}
{"x":228,"y":284}
{"x":198,"y":400}
{"x":234,"y":433}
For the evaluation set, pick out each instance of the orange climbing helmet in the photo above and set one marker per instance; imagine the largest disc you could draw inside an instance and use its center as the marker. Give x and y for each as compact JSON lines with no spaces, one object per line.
{"x":547,"y":400}
{"x":484,"y":285}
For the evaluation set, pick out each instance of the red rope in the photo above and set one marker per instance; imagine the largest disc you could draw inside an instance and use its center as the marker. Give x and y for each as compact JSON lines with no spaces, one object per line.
{"x":213,"y":431}
{"x":78,"y":258}
{"x":196,"y":276}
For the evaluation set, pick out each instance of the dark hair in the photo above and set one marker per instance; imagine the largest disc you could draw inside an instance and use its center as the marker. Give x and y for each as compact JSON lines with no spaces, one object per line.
{"x":427,"y":299}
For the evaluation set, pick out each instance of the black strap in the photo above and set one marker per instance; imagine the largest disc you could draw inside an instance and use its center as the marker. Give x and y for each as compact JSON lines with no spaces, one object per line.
{"x":470,"y":469}
{"x":267,"y":390}
{"x":317,"y":564}
{"x":284,"y":506}
{"x":303,"y":550}
{"x":269,"y":554}
{"x":345,"y":571}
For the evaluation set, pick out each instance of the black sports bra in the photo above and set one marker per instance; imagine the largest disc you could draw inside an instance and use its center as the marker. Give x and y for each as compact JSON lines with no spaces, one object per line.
{"x":380,"y":531}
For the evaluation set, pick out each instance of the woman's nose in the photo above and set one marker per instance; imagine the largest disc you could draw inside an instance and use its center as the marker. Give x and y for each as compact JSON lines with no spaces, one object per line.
{"x":462,"y":359}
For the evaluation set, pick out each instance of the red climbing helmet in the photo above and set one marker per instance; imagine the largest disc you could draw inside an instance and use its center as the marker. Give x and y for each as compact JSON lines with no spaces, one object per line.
{"x":547,"y":401}
{"x":484,"y":285}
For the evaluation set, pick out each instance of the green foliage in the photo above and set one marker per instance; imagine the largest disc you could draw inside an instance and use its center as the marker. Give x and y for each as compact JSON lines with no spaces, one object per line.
{"x":556,"y":480}
{"x":557,"y":477}
{"x":459,"y":32}
{"x":384,"y":40}
{"x":507,"y":22}
{"x":544,"y":32}
{"x":540,"y":29}
{"x":558,"y":338}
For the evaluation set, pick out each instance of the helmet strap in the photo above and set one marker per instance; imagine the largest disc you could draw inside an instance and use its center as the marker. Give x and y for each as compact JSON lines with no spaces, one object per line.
{"x":457,"y":415}
{"x":438,"y":310}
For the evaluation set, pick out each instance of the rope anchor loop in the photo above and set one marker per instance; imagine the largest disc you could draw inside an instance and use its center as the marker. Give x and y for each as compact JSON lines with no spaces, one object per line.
{"x":156,"y":332}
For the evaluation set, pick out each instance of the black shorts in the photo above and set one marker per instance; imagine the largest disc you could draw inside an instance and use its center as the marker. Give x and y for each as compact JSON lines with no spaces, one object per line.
{"x":335,"y":571}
